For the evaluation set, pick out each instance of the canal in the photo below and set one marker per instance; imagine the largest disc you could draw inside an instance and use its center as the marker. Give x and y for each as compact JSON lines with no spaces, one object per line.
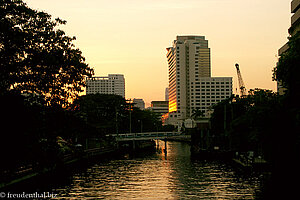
{"x":157,"y":176}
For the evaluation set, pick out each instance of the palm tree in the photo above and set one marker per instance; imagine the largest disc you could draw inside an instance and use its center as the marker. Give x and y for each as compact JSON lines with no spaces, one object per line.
{"x":197,"y":113}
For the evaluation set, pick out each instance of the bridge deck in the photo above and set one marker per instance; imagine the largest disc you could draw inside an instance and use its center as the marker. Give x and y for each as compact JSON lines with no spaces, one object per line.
{"x":145,"y":136}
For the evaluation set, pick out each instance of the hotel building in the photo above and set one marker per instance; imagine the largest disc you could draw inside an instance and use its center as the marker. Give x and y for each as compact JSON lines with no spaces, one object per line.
{"x":111,"y":84}
{"x":191,"y":86}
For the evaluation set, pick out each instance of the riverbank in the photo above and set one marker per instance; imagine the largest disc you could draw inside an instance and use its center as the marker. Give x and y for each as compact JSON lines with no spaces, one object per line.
{"x":30,"y":172}
{"x":73,"y":160}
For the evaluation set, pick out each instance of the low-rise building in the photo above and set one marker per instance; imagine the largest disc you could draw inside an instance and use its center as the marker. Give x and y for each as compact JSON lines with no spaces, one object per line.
{"x":204,"y":94}
{"x":139,"y":103}
{"x":160,"y":107}
{"x":111,"y":84}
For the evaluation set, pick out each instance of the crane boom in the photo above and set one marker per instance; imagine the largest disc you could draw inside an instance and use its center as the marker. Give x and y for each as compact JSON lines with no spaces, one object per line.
{"x":241,"y":82}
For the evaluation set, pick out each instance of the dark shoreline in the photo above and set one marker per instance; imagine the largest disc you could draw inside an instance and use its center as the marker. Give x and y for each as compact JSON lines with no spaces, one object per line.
{"x":70,"y":163}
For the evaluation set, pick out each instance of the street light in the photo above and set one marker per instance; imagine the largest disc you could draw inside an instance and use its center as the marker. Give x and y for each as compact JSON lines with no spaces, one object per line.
{"x":130,"y":104}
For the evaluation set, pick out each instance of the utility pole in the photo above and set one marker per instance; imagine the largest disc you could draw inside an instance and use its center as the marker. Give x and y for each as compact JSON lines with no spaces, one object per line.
{"x":117,"y":129}
{"x":225,"y":110}
{"x":130,"y":117}
{"x":130,"y":103}
{"x":141,"y":125}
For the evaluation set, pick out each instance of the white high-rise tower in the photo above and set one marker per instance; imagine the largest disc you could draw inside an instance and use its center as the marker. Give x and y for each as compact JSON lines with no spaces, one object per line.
{"x":191,"y":86}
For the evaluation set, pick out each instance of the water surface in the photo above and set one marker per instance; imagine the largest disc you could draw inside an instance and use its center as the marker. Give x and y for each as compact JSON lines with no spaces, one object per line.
{"x":159,"y":176}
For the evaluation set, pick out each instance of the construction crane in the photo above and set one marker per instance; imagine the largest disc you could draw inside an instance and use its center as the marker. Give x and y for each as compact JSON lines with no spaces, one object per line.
{"x":241,"y":82}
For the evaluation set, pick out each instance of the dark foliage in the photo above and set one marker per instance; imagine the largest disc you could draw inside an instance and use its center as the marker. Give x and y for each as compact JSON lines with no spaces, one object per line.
{"x":111,"y":114}
{"x":36,"y":57}
{"x":268,"y":124}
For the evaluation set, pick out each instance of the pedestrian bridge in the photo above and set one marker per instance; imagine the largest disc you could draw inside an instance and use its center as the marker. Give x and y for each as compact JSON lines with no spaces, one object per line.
{"x":146,"y":136}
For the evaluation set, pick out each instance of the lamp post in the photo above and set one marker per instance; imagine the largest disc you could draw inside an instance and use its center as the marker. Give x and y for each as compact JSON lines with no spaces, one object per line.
{"x":130,"y":103}
{"x":117,"y":130}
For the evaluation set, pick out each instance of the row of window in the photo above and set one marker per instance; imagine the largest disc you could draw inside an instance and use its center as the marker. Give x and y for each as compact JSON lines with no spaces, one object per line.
{"x":211,"y":99}
{"x":227,"y":95}
{"x":208,"y":100}
{"x":100,"y":86}
{"x":92,"y":81}
{"x":212,"y":90}
{"x":203,"y":104}
{"x":212,"y":83}
{"x":207,"y":90}
{"x":100,"y":90}
{"x":213,"y":95}
{"x":213,"y":86}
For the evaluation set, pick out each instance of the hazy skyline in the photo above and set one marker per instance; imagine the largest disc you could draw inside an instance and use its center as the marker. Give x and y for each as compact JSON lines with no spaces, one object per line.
{"x":130,"y":37}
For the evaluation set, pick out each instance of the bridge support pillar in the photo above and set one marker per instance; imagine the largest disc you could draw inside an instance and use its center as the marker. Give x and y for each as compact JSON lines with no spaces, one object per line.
{"x":165,"y":150}
{"x":133,"y":144}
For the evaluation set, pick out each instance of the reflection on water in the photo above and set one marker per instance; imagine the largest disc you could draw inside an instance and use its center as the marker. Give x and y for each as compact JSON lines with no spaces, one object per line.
{"x":159,"y":176}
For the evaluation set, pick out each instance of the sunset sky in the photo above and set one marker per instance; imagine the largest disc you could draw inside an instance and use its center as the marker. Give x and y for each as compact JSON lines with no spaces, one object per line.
{"x":130,"y":37}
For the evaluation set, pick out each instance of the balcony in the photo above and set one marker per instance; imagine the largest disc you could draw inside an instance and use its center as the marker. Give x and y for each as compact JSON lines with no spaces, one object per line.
{"x":283,"y":49}
{"x":296,"y":17}
{"x":295,"y":5}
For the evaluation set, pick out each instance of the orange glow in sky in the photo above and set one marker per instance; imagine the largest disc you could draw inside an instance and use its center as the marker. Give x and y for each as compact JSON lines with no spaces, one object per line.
{"x":130,"y":37}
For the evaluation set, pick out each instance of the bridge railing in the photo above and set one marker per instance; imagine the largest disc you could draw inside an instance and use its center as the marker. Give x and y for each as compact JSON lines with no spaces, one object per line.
{"x":145,"y":135}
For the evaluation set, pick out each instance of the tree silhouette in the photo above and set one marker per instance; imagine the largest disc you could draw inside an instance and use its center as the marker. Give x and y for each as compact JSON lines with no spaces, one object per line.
{"x":36,"y":57}
{"x":197,"y":113}
{"x":287,"y":71}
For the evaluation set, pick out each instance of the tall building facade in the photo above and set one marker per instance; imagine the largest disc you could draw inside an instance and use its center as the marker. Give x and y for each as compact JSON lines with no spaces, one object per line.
{"x":191,"y":86}
{"x":295,"y":23}
{"x":111,"y":84}
{"x":293,"y":30}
